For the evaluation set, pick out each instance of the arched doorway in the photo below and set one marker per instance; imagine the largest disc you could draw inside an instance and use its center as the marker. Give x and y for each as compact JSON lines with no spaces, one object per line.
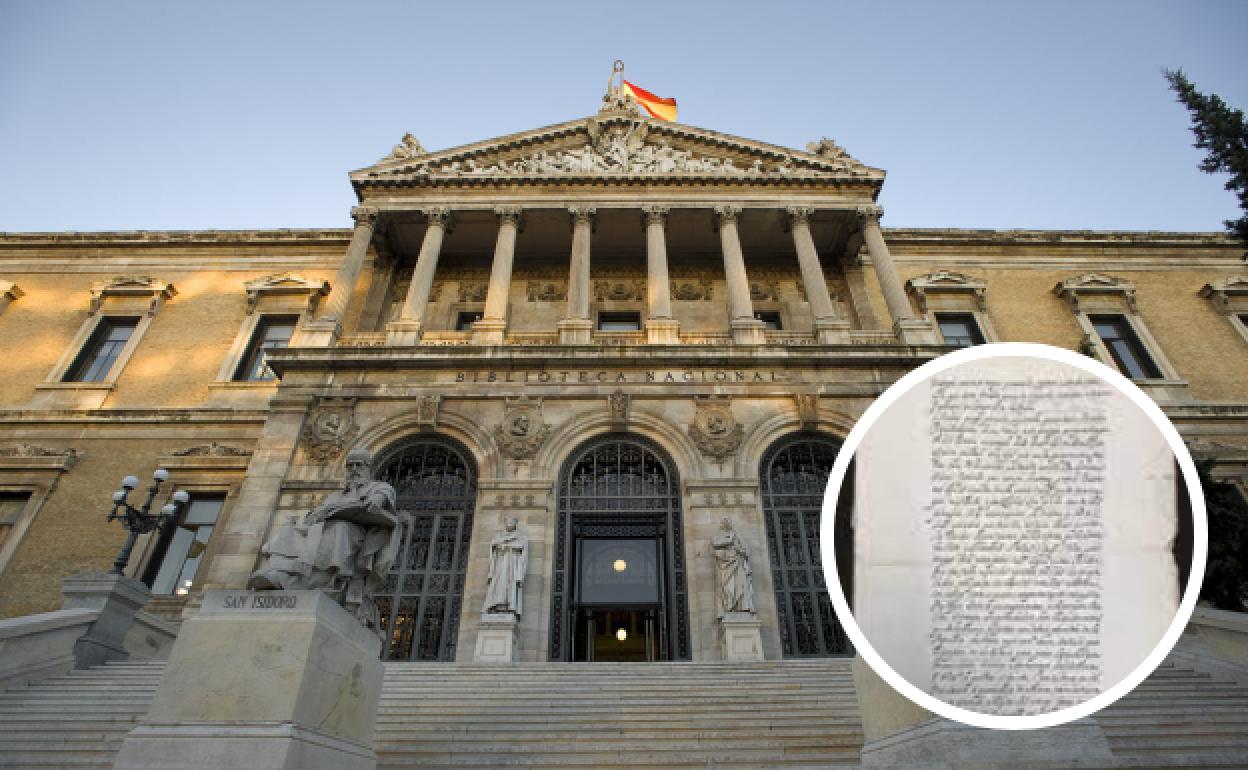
{"x":619,"y":589}
{"x":435,"y":481}
{"x":793,"y":477}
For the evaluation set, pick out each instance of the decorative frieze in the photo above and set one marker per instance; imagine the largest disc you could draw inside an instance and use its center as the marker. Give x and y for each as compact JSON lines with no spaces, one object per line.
{"x":212,"y":449}
{"x":34,"y":450}
{"x":1073,"y":290}
{"x":947,"y":282}
{"x":427,"y":410}
{"x":619,"y":405}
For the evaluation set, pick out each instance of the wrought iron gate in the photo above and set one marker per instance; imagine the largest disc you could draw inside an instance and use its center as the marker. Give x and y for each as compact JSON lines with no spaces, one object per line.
{"x":436,"y":484}
{"x":619,"y":486}
{"x":793,"y":477}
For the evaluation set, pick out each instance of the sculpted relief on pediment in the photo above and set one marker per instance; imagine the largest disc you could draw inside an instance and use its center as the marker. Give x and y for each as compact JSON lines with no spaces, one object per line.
{"x":626,"y":147}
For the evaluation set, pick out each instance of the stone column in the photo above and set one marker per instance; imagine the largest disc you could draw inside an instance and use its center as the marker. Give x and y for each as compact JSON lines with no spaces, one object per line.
{"x":830,"y":326}
{"x":907,"y":329}
{"x":324,"y":330}
{"x":746,"y":329}
{"x":406,"y":330}
{"x":661,"y":328}
{"x":577,"y":328}
{"x":492,"y":328}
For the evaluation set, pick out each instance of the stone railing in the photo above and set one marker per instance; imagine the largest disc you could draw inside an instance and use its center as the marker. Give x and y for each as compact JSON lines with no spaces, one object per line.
{"x":35,"y":647}
{"x":532,"y":338}
{"x":101,"y":620}
{"x":619,"y":338}
{"x":362,"y":340}
{"x":705,"y":338}
{"x":446,"y":338}
{"x":872,"y":337}
{"x":1215,"y":642}
{"x":790,"y":338}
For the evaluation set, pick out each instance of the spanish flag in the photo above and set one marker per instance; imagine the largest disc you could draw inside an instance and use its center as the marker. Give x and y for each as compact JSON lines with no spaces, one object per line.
{"x":663,"y":109}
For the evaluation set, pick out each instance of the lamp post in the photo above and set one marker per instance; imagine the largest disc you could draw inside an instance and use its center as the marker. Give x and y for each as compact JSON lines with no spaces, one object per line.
{"x":140,"y":521}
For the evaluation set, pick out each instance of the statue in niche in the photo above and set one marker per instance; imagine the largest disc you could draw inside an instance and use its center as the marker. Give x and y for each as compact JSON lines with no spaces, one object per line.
{"x":344,"y":546}
{"x":732,"y":566}
{"x":509,"y":560}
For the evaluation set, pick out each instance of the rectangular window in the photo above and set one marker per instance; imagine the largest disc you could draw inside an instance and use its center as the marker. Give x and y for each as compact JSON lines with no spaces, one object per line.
{"x":178,"y":553}
{"x":272,"y":332}
{"x":11,"y":506}
{"x":102,"y":349}
{"x":1128,"y":352}
{"x":465,"y":320}
{"x":619,"y":322}
{"x":770,"y":319}
{"x":959,"y":329}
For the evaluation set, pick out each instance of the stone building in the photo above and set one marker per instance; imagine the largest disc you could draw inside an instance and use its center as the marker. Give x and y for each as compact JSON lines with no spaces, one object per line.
{"x":617,"y":330}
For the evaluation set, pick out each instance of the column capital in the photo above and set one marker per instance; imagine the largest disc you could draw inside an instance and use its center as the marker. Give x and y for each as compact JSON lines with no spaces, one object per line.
{"x":438,"y":215}
{"x":655,"y":215}
{"x":512,"y":214}
{"x":870,"y":214}
{"x":365,"y":215}
{"x":727,"y":213}
{"x":795,"y":215}
{"x":583,"y":213}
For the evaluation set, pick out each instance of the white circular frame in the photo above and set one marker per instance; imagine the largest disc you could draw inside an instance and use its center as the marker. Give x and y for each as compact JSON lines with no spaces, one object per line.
{"x":1200,"y":535}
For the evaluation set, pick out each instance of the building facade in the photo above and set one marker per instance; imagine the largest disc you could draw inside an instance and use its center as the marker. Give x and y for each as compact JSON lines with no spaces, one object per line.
{"x":617,"y":330}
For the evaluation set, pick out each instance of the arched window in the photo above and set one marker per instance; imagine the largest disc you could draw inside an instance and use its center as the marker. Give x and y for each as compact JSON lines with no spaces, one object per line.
{"x":436,"y":484}
{"x":793,"y":477}
{"x":619,"y":580}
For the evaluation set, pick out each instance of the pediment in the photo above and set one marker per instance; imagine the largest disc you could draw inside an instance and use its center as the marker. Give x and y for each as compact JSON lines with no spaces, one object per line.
{"x":615,"y":147}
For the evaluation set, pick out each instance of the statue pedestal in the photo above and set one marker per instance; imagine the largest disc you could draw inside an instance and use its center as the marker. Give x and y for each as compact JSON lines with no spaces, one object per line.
{"x":267,"y":680}
{"x":496,"y":638}
{"x":740,"y":638}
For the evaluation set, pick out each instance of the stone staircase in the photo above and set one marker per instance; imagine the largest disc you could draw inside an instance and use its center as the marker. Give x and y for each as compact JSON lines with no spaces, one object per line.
{"x":1179,"y":718}
{"x":790,"y":714}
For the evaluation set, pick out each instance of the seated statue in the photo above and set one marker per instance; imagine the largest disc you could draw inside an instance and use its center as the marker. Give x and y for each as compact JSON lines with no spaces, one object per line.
{"x":344,"y":546}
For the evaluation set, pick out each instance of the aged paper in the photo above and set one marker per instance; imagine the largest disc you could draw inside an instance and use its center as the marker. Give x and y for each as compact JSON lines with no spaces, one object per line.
{"x":1014,"y":520}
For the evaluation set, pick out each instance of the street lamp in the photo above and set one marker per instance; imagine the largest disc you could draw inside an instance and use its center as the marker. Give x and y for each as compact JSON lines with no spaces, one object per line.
{"x":140,"y":521}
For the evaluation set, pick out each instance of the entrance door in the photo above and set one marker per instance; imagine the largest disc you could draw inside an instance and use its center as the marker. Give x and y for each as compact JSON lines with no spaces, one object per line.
{"x":618,"y":590}
{"x":794,"y":475}
{"x":436,"y":484}
{"x":618,"y":600}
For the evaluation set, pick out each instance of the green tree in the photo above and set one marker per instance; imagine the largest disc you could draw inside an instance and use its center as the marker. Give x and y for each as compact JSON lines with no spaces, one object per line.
{"x":1226,"y":569}
{"x":1222,"y":133}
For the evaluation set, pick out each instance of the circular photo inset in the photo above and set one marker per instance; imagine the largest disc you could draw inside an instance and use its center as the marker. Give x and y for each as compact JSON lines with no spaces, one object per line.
{"x":1021,"y":547}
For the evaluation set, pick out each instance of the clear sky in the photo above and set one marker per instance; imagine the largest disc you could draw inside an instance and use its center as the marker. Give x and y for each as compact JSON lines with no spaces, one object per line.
{"x":171,"y":115}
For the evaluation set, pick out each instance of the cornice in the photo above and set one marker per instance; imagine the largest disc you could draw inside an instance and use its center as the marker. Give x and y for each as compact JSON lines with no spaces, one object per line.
{"x":178,"y":237}
{"x":956,"y":236}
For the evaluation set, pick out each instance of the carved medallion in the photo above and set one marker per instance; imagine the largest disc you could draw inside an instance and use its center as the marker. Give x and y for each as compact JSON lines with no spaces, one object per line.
{"x":330,"y":425}
{"x":764,"y":290}
{"x":619,"y":290}
{"x":691,"y":290}
{"x":523,"y":428}
{"x":714,"y":429}
{"x":547,"y":291}
{"x":472,"y":292}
